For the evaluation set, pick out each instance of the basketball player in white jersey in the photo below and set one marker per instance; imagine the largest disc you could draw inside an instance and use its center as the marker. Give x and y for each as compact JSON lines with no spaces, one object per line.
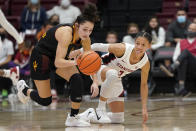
{"x":12,"y":73}
{"x":122,"y":59}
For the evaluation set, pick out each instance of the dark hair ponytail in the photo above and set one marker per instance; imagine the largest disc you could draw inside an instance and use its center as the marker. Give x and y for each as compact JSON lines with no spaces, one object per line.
{"x":89,"y":14}
{"x":146,"y":35}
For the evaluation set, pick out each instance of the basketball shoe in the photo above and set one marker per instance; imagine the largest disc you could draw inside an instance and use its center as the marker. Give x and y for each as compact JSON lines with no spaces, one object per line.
{"x":76,"y":121}
{"x":96,"y":116}
{"x":20,"y":86}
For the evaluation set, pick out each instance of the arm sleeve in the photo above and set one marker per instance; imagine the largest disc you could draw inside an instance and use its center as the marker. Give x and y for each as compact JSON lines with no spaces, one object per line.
{"x":9,"y":28}
{"x":98,"y":47}
{"x":176,"y":52}
{"x":10,"y":48}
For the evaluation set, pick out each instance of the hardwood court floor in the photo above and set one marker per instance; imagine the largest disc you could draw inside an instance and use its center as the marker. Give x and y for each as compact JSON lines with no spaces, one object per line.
{"x":165,"y":114}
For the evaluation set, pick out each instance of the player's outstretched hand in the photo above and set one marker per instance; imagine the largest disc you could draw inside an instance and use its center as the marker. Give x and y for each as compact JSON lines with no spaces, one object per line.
{"x":145,"y":115}
{"x":94,"y":90}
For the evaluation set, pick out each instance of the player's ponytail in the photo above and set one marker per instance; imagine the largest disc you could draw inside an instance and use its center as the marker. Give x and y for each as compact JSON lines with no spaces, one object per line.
{"x":89,"y":14}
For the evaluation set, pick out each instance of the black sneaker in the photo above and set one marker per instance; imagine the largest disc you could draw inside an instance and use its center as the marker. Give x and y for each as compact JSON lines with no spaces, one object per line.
{"x":181,"y":91}
{"x":186,"y":94}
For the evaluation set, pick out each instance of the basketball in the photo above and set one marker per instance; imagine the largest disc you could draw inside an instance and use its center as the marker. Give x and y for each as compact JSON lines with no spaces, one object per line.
{"x":89,"y":62}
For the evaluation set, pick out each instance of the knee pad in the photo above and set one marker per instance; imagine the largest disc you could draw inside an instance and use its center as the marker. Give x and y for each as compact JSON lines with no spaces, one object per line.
{"x":116,"y":118}
{"x":76,"y":86}
{"x":114,"y":90}
{"x":42,"y":101}
{"x":111,"y":77}
{"x":45,"y":101}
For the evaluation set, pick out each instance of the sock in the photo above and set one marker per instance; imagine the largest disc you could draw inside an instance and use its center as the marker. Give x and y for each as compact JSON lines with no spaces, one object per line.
{"x":6,"y":73}
{"x":24,"y":91}
{"x":102,"y":105}
{"x":74,"y":112}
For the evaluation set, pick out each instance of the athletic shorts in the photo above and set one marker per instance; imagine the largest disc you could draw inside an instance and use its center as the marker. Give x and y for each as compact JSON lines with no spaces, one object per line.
{"x":41,"y":65}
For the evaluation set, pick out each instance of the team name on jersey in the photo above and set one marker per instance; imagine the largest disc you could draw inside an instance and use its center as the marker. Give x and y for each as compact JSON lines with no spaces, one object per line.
{"x":123,"y":68}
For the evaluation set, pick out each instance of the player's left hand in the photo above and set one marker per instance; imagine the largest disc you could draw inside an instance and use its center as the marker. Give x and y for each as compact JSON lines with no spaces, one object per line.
{"x":94,"y":89}
{"x":145,"y":115}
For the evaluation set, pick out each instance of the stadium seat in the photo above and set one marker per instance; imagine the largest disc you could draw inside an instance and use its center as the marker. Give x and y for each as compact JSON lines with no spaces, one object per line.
{"x":17,"y":7}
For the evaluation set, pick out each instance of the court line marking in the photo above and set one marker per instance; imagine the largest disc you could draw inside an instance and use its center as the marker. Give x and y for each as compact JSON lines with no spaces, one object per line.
{"x":162,"y":108}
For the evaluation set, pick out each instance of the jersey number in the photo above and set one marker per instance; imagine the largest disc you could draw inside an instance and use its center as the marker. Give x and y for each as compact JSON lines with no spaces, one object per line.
{"x":120,"y":73}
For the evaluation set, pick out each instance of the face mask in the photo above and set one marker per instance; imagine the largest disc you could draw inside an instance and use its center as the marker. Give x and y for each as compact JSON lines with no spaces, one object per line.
{"x":65,"y":3}
{"x":34,"y":2}
{"x":2,"y":35}
{"x":133,"y":35}
{"x":181,"y":19}
{"x":191,"y":34}
{"x":55,"y":23}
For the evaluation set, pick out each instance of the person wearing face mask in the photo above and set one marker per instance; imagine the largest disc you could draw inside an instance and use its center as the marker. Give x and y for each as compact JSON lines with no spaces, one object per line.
{"x":6,"y":53}
{"x":66,"y":12}
{"x":176,"y":30}
{"x":157,"y":32}
{"x":184,"y":60}
{"x":6,"y":50}
{"x":33,"y":17}
{"x":132,"y":31}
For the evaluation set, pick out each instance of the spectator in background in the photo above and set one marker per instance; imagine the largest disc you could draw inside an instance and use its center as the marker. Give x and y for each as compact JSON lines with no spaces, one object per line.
{"x":6,"y":50}
{"x":47,"y":25}
{"x":66,"y":11}
{"x":156,"y":31}
{"x":194,"y":20}
{"x":176,"y":30}
{"x":11,"y":30}
{"x":22,"y":59}
{"x":54,"y":19}
{"x":184,"y":60}
{"x":132,"y":31}
{"x":111,"y":37}
{"x":33,"y":17}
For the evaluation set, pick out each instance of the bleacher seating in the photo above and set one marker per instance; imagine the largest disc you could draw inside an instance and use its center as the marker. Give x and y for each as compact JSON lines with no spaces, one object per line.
{"x":169,"y":8}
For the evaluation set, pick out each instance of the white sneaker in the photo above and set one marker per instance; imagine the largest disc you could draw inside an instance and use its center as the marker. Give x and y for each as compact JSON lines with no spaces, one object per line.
{"x":88,"y":114}
{"x":76,"y":121}
{"x":20,"y":86}
{"x":100,"y":117}
{"x":14,"y":74}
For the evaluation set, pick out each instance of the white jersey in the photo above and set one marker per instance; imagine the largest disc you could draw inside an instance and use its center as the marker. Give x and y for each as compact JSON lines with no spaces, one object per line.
{"x":122,"y":64}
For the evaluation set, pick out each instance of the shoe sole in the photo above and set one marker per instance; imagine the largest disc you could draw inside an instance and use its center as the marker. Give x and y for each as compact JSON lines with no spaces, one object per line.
{"x":164,"y":69}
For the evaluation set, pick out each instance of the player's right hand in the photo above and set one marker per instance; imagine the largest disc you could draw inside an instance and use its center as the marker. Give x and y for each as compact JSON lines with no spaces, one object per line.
{"x":145,"y":115}
{"x":74,"y":54}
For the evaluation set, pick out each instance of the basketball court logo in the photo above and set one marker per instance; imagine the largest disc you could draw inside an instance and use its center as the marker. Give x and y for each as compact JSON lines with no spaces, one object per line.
{"x":44,"y":35}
